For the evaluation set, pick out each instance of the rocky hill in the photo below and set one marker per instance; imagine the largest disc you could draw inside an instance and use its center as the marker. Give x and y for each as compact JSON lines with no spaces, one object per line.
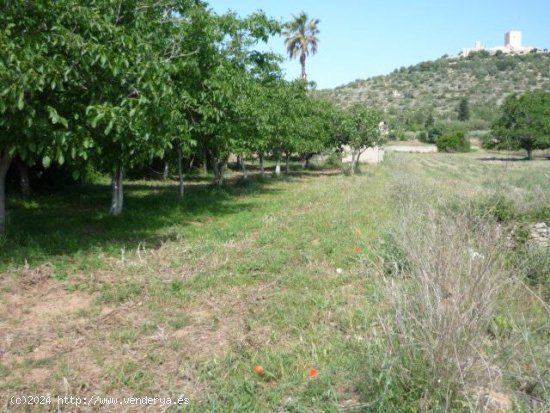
{"x":434,"y":88}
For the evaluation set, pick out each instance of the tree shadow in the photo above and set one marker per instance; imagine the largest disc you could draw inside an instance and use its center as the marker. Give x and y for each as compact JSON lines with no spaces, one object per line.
{"x":513,"y":156}
{"x":77,"y":221}
{"x":503,"y":159}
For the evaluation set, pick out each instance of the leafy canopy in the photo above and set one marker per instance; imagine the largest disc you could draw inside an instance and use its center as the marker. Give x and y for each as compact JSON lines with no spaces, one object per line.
{"x":524,"y":123}
{"x":360,"y":127}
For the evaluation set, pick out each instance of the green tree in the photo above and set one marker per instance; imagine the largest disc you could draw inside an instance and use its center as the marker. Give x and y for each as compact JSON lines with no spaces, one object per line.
{"x":126,"y":52}
{"x":430,"y":121}
{"x":94,"y":84}
{"x":360,"y":129}
{"x":37,"y":90}
{"x":524,"y":123}
{"x":301,"y":39}
{"x":463,"y":110}
{"x":223,"y":116}
{"x":315,"y":128}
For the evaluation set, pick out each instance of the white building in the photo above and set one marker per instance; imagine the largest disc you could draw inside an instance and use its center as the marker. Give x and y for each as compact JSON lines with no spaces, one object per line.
{"x":512,"y":40}
{"x":512,"y":45}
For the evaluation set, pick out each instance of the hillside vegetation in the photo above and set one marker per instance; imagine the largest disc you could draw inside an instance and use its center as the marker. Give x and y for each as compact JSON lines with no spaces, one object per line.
{"x":410,"y":94}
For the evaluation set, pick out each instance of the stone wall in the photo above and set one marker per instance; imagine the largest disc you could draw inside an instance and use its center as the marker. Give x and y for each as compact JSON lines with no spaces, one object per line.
{"x":371,"y":155}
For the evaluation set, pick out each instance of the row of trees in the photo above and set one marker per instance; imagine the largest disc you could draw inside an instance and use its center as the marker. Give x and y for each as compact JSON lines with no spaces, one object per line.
{"x":118,"y":83}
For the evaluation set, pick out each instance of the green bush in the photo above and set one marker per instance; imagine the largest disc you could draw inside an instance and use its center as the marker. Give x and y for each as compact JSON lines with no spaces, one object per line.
{"x":423,"y":136}
{"x":431,"y":134}
{"x":533,"y":261}
{"x":334,"y":160}
{"x":453,"y":142}
{"x":498,"y":208}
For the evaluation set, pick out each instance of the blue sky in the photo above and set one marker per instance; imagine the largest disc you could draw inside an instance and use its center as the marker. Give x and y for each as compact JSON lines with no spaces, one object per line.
{"x":360,"y":39}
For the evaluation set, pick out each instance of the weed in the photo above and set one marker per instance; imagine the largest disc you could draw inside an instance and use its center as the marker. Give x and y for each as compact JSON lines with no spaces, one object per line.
{"x":119,"y":293}
{"x":125,"y":335}
{"x":130,"y":374}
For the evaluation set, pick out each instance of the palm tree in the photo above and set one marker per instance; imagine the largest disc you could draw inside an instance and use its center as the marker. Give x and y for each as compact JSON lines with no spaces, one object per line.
{"x":301,"y":39}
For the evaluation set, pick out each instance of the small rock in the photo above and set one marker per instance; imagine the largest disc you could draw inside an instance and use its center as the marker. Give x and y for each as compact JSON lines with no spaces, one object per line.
{"x":540,"y":232}
{"x":339,"y":271}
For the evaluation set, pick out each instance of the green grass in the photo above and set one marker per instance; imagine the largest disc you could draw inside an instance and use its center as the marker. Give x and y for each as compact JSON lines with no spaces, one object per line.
{"x":188,"y":297}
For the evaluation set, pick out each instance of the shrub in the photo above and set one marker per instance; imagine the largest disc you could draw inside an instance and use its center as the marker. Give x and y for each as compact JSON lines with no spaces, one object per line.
{"x":422,"y":136}
{"x":430,"y":354}
{"x":534,"y":262}
{"x":397,"y":135}
{"x":334,"y":160}
{"x":453,"y":142}
{"x":497,"y":207}
{"x":431,"y":134}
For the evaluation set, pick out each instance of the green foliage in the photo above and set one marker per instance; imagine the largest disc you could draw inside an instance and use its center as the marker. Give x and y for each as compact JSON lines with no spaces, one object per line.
{"x":499,"y":208}
{"x":438,"y":86}
{"x":453,"y":142}
{"x":524,"y":123}
{"x":112,"y":85}
{"x":463,"y":110}
{"x":360,"y":128}
{"x":423,"y":137}
{"x":431,"y":134}
{"x":301,"y":39}
{"x":534,"y":262}
{"x":334,"y":160}
{"x":430,"y":121}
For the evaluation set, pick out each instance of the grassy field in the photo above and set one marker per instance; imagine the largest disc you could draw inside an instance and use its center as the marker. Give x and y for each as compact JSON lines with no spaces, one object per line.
{"x":186,"y":299}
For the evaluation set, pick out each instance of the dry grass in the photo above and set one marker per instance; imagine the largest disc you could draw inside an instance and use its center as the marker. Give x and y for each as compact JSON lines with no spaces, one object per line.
{"x":445,"y":305}
{"x":464,"y":330}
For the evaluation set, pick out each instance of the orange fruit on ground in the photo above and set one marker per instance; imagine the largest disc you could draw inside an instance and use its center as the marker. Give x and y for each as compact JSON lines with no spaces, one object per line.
{"x":312,"y":372}
{"x":259,"y":370}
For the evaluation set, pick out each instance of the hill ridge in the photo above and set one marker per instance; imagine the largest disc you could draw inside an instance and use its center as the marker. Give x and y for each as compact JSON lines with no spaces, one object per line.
{"x":437,"y":86}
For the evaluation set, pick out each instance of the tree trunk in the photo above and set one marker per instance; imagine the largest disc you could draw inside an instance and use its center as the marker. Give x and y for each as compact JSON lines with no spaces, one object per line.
{"x":5,"y":161}
{"x":117,"y":190}
{"x":303,"y":76}
{"x":355,"y":157}
{"x":24,"y":181}
{"x":306,"y":161}
{"x":223,"y":168}
{"x":165,"y":171}
{"x":278,"y":167}
{"x":529,"y":153}
{"x":262,"y":172}
{"x":2,"y":204}
{"x":180,"y":174}
{"x":353,"y":162}
{"x":215,"y":169}
{"x":205,"y":164}
{"x":218,"y":168}
{"x":287,"y":159}
{"x":243,"y":167}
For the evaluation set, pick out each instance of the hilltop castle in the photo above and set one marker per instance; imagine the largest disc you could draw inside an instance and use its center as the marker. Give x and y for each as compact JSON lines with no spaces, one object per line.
{"x":512,"y":45}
